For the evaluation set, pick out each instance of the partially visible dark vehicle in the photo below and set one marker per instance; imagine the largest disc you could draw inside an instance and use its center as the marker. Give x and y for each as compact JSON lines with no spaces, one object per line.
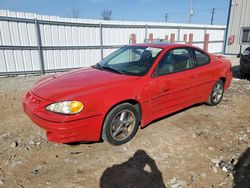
{"x":245,"y":63}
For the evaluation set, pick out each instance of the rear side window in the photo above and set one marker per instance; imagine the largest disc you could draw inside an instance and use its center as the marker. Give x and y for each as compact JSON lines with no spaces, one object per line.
{"x":201,"y":58}
{"x":175,"y":60}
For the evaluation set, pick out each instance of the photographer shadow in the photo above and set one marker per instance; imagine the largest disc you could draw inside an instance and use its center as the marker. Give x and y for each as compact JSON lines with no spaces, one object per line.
{"x":139,"y":171}
{"x":242,"y":171}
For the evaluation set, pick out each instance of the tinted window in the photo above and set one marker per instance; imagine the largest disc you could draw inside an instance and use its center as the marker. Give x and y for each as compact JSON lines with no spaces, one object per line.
{"x":245,"y":35}
{"x":175,"y":60}
{"x":201,"y":58}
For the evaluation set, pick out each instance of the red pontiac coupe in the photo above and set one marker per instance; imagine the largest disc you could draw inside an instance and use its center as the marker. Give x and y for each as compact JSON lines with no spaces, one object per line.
{"x":129,"y":88}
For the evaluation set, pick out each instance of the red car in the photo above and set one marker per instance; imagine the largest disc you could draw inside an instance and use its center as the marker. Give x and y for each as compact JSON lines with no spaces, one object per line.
{"x":129,"y":88}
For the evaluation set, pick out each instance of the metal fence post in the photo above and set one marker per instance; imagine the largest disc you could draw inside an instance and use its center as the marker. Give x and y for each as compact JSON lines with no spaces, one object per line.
{"x":39,"y":46}
{"x":205,"y":33}
{"x":101,"y":41}
{"x":146,"y":33}
{"x":179,"y":34}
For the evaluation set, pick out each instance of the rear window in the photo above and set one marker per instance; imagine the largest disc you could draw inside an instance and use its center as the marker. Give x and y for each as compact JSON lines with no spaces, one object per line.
{"x":201,"y":58}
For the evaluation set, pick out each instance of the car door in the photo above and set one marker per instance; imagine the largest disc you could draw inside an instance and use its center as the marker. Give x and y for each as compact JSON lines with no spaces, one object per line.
{"x":204,"y":72}
{"x":173,"y":83}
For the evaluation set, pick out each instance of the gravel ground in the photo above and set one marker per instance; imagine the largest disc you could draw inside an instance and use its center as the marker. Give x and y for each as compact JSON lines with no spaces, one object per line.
{"x":197,"y":147}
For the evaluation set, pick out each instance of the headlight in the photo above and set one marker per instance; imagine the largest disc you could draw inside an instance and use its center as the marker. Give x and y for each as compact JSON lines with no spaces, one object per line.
{"x":66,"y":107}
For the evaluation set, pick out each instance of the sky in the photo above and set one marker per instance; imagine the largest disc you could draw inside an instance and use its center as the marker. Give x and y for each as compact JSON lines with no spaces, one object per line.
{"x":130,"y":10}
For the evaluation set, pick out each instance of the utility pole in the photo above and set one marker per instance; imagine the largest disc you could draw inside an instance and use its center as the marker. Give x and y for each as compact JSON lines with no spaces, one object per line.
{"x":212,"y":18}
{"x":191,"y":11}
{"x":166,"y":17}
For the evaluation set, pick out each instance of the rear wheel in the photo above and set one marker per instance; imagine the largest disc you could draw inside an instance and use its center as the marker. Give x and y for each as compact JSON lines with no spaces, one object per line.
{"x":216,"y":94}
{"x":121,"y":124}
{"x":242,"y":74}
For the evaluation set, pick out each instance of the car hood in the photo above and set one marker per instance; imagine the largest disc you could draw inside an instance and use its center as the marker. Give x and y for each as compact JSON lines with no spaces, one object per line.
{"x":87,"y":80}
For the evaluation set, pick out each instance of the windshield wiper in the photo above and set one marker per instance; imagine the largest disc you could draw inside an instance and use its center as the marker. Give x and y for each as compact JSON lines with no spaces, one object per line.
{"x":113,"y":70}
{"x":98,"y":66}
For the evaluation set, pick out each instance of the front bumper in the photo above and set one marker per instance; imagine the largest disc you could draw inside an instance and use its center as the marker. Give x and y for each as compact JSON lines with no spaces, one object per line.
{"x":85,"y":129}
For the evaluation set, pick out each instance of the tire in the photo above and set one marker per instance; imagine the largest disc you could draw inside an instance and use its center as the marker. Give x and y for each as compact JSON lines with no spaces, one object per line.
{"x":216,"y":94}
{"x":242,"y":74}
{"x":120,"y":124}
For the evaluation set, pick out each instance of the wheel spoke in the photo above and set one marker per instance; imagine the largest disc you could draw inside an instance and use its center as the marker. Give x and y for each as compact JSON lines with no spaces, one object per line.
{"x":117,"y":131}
{"x":129,"y":122}
{"x":220,"y":91}
{"x":123,"y":115}
{"x":117,"y":122}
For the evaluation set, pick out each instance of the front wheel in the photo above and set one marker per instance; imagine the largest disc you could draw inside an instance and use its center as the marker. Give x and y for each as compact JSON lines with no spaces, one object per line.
{"x":121,"y":124}
{"x":216,"y":94}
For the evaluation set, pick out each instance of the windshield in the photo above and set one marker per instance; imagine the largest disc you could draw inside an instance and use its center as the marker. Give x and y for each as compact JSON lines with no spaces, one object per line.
{"x":130,"y":60}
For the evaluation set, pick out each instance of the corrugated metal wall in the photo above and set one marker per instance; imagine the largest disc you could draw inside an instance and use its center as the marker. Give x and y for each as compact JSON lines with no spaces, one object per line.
{"x":239,"y":17}
{"x":30,"y":42}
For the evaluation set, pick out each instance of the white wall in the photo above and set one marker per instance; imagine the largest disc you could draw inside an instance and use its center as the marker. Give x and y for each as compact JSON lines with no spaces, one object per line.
{"x":59,"y":37}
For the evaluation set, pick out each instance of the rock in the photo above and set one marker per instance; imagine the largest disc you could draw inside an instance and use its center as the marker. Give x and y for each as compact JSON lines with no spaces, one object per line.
{"x":234,"y":161}
{"x":211,"y":148}
{"x":31,"y":142}
{"x":226,"y":167}
{"x":35,"y":171}
{"x":79,"y":171}
{"x":201,"y":132}
{"x":1,"y":183}
{"x":75,"y":152}
{"x":4,"y":136}
{"x":14,"y":144}
{"x":241,"y":136}
{"x":222,"y":184}
{"x":174,"y":183}
{"x":215,"y":161}
{"x":16,"y":163}
{"x":203,"y":175}
{"x":214,"y":169}
{"x":48,"y":183}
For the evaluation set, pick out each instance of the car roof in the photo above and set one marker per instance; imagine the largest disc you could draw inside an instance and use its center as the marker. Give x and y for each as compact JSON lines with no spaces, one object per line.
{"x":162,"y":45}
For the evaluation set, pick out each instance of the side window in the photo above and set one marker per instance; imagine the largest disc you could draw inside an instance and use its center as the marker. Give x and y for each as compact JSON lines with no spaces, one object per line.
{"x":201,"y":58}
{"x":175,"y":60}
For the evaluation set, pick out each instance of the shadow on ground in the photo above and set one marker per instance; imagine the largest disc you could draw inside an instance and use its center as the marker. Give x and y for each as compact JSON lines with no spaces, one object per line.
{"x":139,"y":171}
{"x":242,"y":171}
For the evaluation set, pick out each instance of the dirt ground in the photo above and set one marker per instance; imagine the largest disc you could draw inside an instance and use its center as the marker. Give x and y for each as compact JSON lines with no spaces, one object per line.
{"x":181,"y":150}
